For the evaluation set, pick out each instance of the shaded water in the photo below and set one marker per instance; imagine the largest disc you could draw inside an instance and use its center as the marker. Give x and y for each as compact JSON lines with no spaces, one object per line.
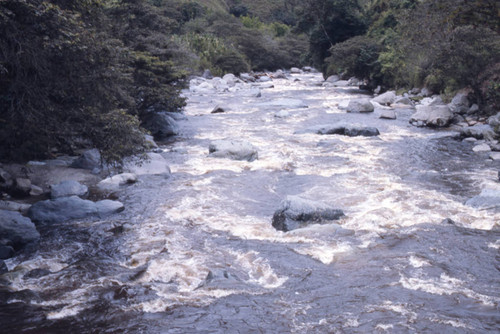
{"x":196,"y":253}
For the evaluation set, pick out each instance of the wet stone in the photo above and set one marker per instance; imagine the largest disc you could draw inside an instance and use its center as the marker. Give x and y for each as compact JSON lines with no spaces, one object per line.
{"x":296,"y":212}
{"x":233,"y":149}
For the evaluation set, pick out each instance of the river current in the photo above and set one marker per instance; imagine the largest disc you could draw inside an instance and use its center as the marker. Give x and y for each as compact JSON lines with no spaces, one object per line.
{"x":196,"y":252}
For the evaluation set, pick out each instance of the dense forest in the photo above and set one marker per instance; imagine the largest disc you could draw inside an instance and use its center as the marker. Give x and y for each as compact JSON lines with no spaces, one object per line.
{"x":92,"y":73}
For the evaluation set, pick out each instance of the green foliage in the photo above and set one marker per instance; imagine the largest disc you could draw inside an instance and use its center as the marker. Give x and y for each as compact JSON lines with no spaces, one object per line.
{"x":356,"y":57}
{"x":251,"y":22}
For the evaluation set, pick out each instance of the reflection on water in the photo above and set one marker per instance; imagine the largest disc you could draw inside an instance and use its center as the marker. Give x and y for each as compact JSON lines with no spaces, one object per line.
{"x":197,"y":253}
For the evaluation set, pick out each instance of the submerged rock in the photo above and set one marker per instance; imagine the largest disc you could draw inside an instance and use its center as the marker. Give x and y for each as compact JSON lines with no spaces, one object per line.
{"x":17,"y":229}
{"x":68,"y":188}
{"x":233,"y":149}
{"x":296,"y":212}
{"x":350,"y":130}
{"x":284,"y":104}
{"x":487,"y":199}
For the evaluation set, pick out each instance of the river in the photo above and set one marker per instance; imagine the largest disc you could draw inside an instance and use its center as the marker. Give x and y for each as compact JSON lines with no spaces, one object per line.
{"x":196,"y":252}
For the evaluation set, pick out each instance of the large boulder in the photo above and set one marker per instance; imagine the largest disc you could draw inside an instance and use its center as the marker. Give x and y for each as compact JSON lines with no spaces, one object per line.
{"x":154,"y":164}
{"x":351,"y":130}
{"x":296,"y":212}
{"x":14,"y":206}
{"x":114,"y":183}
{"x":233,"y":149}
{"x":433,"y":116}
{"x":17,"y":229}
{"x":385,"y":99}
{"x":360,"y":105}
{"x":22,"y":187}
{"x":478,"y":131}
{"x":487,"y":199}
{"x":161,"y":125}
{"x":494,"y":122}
{"x":460,"y":103}
{"x":67,"y":208}
{"x":90,"y":159}
{"x":68,"y":188}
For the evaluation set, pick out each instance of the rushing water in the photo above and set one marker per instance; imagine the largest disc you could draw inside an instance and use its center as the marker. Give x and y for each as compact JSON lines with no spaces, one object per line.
{"x":196,"y":253}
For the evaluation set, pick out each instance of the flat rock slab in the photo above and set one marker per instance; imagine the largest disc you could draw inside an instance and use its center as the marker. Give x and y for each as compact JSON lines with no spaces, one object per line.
{"x":482,"y":148}
{"x":67,"y":208}
{"x":68,"y":188}
{"x":296,"y":212}
{"x":17,"y":229}
{"x":233,"y":149}
{"x":351,"y":130}
{"x":487,"y":199}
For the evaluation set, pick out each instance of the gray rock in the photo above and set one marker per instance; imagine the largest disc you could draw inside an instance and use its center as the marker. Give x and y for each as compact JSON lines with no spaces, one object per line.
{"x":161,"y":125}
{"x":154,"y":164}
{"x":459,"y":104}
{"x":295,"y":70}
{"x":385,"y":99}
{"x":115,"y":182}
{"x":22,"y":186}
{"x":6,"y":180}
{"x":217,"y":110}
{"x":14,"y":206}
{"x":404,"y":100}
{"x":107,"y":207}
{"x":332,"y":78}
{"x":495,"y":156}
{"x":387,"y":114}
{"x":17,"y":229}
{"x":6,"y":252}
{"x":482,"y":148}
{"x":478,"y":131}
{"x":309,"y":69}
{"x":264,"y":78}
{"x":62,"y":209}
{"x":487,"y":199}
{"x":207,"y":74}
{"x":36,"y":190}
{"x":425,"y":92}
{"x":150,"y":141}
{"x":433,"y":116}
{"x":68,"y":188}
{"x":351,"y":130}
{"x":474,"y":109}
{"x":296,"y":212}
{"x":341,"y":83}
{"x":90,"y":159}
{"x":360,"y":105}
{"x":232,"y":149}
{"x":247,"y":77}
{"x":494,"y":122}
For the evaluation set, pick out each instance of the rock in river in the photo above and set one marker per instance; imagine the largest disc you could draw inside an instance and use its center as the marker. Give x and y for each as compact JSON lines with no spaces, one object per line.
{"x":233,"y":149}
{"x":67,"y":208}
{"x":17,"y":229}
{"x":487,"y":199}
{"x":360,"y":105}
{"x":350,"y":130}
{"x":433,"y":116}
{"x":296,"y":212}
{"x":68,"y":188}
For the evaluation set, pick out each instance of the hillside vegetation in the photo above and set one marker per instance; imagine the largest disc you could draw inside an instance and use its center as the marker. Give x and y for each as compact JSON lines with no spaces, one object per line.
{"x":90,"y":73}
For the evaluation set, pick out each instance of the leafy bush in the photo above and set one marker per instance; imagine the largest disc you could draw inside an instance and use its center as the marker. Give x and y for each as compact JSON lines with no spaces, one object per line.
{"x":356,"y":57}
